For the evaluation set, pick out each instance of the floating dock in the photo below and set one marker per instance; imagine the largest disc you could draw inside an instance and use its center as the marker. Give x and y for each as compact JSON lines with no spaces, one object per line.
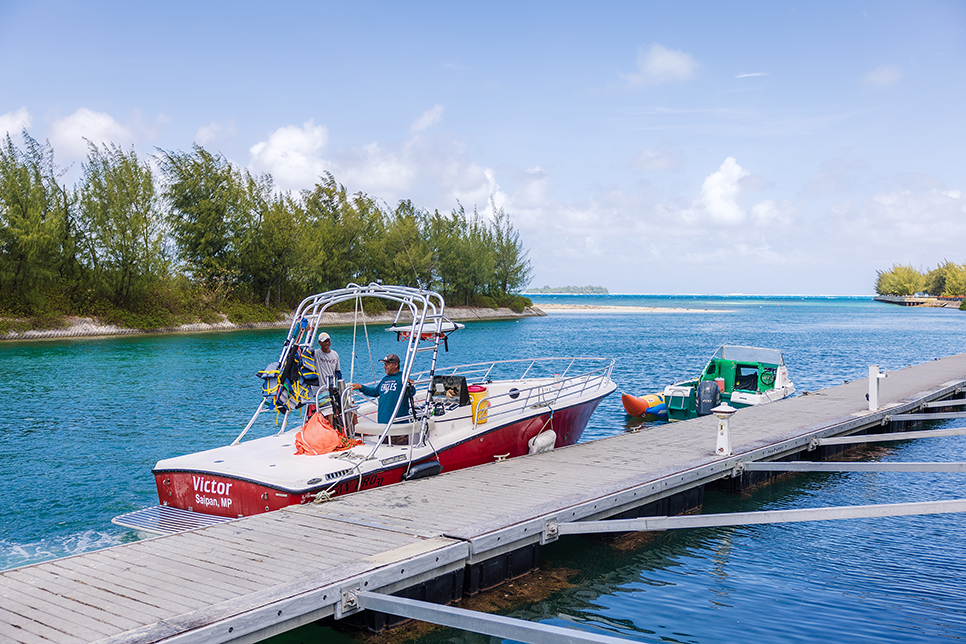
{"x":435,"y":539}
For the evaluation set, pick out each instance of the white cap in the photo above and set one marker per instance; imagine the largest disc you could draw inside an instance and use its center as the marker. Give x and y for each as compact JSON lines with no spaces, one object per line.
{"x":323,"y":337}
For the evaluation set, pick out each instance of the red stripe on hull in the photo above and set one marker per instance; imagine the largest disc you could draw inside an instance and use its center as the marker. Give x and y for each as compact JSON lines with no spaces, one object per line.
{"x":229,"y":497}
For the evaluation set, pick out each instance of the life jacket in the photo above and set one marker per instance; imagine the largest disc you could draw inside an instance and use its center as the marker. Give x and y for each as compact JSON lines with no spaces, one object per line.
{"x":270,"y":374}
{"x":307,"y":371}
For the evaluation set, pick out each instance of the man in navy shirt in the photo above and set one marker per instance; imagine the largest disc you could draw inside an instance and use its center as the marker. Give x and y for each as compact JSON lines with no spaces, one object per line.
{"x":388,"y":390}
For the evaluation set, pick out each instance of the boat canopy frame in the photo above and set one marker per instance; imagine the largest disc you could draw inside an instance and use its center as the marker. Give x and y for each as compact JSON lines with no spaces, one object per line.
{"x":739,"y":353}
{"x":426,"y":312}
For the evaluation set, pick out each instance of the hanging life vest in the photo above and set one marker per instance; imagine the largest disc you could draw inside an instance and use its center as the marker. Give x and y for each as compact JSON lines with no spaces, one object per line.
{"x":308,"y":374}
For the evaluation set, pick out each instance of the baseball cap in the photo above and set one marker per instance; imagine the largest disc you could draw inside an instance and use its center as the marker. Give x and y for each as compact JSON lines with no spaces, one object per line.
{"x":323,"y":337}
{"x":392,"y":357}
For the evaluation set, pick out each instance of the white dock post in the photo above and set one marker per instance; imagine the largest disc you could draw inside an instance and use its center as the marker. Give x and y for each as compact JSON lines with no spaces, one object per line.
{"x":874,"y":377}
{"x":723,"y":412}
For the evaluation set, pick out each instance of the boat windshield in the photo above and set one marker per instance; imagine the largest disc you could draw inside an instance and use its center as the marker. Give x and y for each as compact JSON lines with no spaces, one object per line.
{"x":748,"y":354}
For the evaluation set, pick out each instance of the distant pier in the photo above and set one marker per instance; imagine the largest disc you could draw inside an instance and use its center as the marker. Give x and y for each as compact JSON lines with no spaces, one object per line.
{"x":442,"y":538}
{"x":920,"y":300}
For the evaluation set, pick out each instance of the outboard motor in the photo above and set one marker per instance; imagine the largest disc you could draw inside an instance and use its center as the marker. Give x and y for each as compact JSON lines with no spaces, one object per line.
{"x":709,"y":397}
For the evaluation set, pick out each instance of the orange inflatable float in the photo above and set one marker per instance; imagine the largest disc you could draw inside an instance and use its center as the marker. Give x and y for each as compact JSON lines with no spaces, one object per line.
{"x":649,"y":407}
{"x":317,"y":436}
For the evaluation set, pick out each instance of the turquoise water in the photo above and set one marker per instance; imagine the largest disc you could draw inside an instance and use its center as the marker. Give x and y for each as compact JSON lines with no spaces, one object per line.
{"x":85,"y":420}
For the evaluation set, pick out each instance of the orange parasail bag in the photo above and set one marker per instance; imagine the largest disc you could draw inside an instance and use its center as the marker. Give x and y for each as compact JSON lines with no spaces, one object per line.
{"x":317,"y":436}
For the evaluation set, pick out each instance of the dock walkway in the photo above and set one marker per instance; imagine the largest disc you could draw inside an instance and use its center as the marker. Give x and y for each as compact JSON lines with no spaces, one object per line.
{"x":248,"y":579}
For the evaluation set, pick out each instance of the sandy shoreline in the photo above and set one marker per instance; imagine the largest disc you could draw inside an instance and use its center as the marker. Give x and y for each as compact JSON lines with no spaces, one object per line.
{"x":91,"y":328}
{"x":595,"y":308}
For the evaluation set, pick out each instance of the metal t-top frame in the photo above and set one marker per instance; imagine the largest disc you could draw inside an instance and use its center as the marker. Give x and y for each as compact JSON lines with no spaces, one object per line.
{"x":425,"y":309}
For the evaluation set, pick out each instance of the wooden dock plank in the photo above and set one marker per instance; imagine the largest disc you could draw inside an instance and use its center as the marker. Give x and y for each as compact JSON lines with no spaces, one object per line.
{"x":280,"y":562}
{"x":306,"y":516}
{"x":208,"y":578}
{"x":437,"y":507}
{"x":317,"y":528}
{"x":42,"y":603}
{"x":28,"y":607}
{"x":310,"y":557}
{"x":267,"y":600}
{"x":87,"y":588}
{"x":325,"y":537}
{"x":318,"y":551}
{"x":67,"y":594}
{"x":20,"y":629}
{"x":250,"y":539}
{"x":117,"y":582}
{"x":244,"y":566}
{"x":157,"y":573}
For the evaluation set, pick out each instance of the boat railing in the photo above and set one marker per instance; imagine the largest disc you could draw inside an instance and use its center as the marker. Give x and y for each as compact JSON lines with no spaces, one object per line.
{"x":558,"y":392}
{"x":521,"y":369}
{"x":555,"y":381}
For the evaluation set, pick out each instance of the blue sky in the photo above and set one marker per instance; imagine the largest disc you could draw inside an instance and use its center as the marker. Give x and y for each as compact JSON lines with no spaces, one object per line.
{"x":648,"y":147}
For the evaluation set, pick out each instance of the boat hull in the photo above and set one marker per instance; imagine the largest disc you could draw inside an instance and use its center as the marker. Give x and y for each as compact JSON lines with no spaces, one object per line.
{"x":222,"y":495}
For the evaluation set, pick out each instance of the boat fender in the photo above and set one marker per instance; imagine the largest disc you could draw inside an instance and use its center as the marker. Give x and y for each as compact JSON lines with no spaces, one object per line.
{"x":423,"y":470}
{"x":542,"y":442}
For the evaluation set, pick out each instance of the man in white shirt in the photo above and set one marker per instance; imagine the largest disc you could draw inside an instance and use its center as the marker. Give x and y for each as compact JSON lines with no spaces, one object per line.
{"x":327,"y":362}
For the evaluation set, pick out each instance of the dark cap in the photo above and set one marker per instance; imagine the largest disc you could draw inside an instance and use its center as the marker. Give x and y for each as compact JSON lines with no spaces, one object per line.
{"x":392,"y":357}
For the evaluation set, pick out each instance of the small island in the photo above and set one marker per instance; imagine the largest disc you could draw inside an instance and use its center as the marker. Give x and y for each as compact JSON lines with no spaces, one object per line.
{"x":569,"y":290}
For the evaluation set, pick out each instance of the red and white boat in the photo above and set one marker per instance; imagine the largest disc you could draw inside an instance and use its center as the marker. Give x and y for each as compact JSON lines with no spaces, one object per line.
{"x":462,"y":416}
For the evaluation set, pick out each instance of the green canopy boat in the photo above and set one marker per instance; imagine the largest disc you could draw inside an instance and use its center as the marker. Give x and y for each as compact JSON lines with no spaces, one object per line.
{"x":739,"y":376}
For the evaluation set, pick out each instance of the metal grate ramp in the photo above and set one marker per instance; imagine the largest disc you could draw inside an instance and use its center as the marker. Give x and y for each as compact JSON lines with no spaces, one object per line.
{"x":165,"y":520}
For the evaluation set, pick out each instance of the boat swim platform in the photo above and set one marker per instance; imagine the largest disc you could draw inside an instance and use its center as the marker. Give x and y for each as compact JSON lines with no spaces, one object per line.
{"x":251,"y":578}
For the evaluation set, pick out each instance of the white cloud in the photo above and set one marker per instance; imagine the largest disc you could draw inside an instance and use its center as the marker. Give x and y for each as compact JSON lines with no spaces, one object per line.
{"x":659,"y":65}
{"x":471,"y":184}
{"x":215,"y":133}
{"x":752,"y":75}
{"x":836,"y":176}
{"x":921,"y":227}
{"x":435,"y":168}
{"x":717,"y":202}
{"x":649,"y":159}
{"x":292,"y":155}
{"x":67,"y":135}
{"x":375,"y":170}
{"x":772,"y":211}
{"x":430,"y":117}
{"x":913,"y":216}
{"x":13,"y":123}
{"x":535,"y":190}
{"x":883,"y":77}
